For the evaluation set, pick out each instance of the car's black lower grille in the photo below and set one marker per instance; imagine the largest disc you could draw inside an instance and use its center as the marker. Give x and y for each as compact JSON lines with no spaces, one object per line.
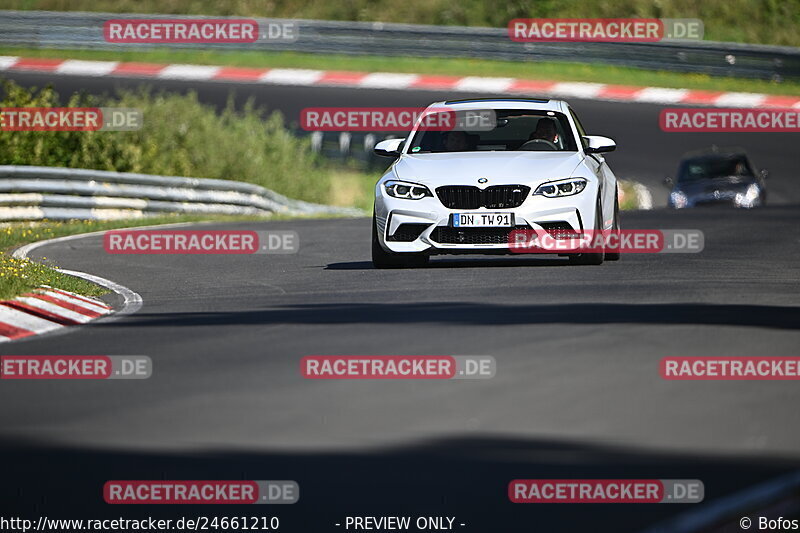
{"x":559,"y":230}
{"x":448,"y":235}
{"x":494,"y":197}
{"x":407,"y":232}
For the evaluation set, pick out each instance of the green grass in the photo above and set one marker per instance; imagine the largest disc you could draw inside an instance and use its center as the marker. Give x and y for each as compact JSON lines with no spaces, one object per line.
{"x":754,"y":21}
{"x":20,"y":276}
{"x":439,"y":66}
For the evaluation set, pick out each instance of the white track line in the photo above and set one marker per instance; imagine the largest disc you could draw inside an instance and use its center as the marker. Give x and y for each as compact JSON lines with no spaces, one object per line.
{"x":132,"y":301}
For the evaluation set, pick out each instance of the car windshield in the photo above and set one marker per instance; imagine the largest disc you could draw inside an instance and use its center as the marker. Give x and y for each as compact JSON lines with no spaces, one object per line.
{"x":714,"y":167}
{"x":514,"y":129}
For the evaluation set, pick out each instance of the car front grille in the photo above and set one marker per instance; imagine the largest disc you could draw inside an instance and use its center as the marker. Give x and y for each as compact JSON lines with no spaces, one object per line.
{"x":448,"y":235}
{"x":494,"y":197}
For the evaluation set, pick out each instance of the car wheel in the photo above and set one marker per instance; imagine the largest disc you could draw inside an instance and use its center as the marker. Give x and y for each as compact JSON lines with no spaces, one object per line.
{"x":615,"y":256}
{"x":591,"y":258}
{"x":384,"y":259}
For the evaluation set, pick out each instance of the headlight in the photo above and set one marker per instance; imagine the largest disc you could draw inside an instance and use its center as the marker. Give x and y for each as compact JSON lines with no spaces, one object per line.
{"x":405,"y":190}
{"x":750,"y":197}
{"x":566,"y":187}
{"x":678,"y":199}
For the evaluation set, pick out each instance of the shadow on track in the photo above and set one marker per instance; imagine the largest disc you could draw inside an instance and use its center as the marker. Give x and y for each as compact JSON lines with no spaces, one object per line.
{"x":451,"y":262}
{"x":463,"y":476}
{"x":483,"y":314}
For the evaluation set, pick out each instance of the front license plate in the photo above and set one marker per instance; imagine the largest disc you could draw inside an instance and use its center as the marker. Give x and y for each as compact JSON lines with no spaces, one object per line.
{"x":483,"y":220}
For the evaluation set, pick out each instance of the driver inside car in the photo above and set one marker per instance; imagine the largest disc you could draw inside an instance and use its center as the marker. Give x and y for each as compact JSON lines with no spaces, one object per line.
{"x":456,"y":141}
{"x":544,"y":136}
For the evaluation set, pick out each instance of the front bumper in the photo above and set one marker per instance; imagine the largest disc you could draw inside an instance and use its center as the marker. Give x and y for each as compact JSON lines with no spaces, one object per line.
{"x":425,"y":225}
{"x":725,"y":199}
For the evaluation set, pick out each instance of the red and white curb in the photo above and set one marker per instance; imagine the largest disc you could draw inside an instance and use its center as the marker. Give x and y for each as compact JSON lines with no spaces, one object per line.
{"x":390,"y":80}
{"x":51,"y":311}
{"x":46,"y":309}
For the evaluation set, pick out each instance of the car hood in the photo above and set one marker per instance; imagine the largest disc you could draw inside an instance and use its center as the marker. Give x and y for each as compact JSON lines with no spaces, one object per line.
{"x":724,"y":183}
{"x":497,"y":167}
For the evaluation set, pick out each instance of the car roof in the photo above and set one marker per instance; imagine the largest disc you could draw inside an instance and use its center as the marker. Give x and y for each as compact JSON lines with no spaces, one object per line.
{"x":504,"y":103}
{"x":714,"y":153}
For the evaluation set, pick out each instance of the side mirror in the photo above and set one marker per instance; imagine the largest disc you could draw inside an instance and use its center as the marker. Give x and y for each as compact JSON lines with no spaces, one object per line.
{"x":668,"y":182}
{"x":389,"y":148}
{"x":598,"y":145}
{"x":764,"y":173}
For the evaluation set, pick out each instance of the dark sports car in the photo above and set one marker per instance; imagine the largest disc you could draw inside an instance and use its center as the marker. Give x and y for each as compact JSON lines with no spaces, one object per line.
{"x":717,"y":178}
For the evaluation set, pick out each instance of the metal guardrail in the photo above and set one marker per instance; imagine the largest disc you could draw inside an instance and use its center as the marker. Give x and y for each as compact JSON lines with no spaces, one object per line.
{"x":36,"y":193}
{"x":354,"y":148}
{"x":85,"y":30}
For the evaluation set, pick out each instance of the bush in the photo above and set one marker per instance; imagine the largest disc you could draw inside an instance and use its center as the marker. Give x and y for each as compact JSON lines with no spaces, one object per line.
{"x":180,"y":137}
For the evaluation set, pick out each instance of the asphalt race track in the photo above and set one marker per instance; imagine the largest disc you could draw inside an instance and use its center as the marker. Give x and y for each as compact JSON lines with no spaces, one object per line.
{"x":577,"y":392}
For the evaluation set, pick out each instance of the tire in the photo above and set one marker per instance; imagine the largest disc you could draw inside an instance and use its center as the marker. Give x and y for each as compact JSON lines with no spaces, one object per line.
{"x":615,"y":256}
{"x":384,"y":259}
{"x":591,"y":258}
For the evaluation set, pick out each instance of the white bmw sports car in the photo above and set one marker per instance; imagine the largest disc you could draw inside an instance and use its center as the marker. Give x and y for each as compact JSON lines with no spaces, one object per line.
{"x":465,"y":190}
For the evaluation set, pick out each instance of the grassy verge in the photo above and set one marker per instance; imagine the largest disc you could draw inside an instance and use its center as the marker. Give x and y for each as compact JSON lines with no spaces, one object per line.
{"x":756,"y":21}
{"x":439,"y":66}
{"x":18,"y":276}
